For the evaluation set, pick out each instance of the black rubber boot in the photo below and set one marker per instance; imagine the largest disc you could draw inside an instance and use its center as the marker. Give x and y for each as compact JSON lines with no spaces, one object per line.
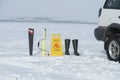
{"x":75,"y":47}
{"x":67,"y":46}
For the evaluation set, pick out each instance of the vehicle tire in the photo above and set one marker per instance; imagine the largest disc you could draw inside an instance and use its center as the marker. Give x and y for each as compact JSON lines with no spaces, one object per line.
{"x":105,"y":45}
{"x":113,"y":48}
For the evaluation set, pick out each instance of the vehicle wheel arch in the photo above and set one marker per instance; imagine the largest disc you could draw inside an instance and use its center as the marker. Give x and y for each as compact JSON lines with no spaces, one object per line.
{"x":112,"y":29}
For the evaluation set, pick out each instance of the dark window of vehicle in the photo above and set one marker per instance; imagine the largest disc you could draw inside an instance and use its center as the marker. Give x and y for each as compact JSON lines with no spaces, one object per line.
{"x":112,"y":4}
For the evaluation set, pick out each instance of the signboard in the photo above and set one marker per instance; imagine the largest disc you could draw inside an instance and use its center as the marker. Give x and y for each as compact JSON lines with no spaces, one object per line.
{"x":56,"y":48}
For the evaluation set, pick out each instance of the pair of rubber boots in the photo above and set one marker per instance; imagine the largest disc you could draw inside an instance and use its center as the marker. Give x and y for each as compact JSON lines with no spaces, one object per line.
{"x":75,"y":46}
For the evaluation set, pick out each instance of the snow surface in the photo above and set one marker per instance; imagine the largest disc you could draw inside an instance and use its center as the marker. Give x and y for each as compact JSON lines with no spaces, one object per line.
{"x":16,"y":64}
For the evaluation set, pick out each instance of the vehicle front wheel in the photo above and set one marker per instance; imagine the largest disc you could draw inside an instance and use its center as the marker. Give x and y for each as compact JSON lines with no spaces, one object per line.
{"x":113,"y":48}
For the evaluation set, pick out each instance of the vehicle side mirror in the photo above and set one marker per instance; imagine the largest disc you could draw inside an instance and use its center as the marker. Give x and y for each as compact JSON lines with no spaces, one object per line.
{"x":100,"y":11}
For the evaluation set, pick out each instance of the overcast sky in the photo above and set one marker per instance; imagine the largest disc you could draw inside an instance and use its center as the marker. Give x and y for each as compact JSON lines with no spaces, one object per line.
{"x":81,"y":10}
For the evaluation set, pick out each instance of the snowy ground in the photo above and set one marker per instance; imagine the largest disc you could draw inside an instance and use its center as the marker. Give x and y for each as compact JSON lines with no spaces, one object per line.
{"x":16,"y":64}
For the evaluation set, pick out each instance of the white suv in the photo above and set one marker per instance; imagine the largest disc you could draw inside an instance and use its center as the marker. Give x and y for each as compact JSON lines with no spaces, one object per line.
{"x":109,"y":28}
